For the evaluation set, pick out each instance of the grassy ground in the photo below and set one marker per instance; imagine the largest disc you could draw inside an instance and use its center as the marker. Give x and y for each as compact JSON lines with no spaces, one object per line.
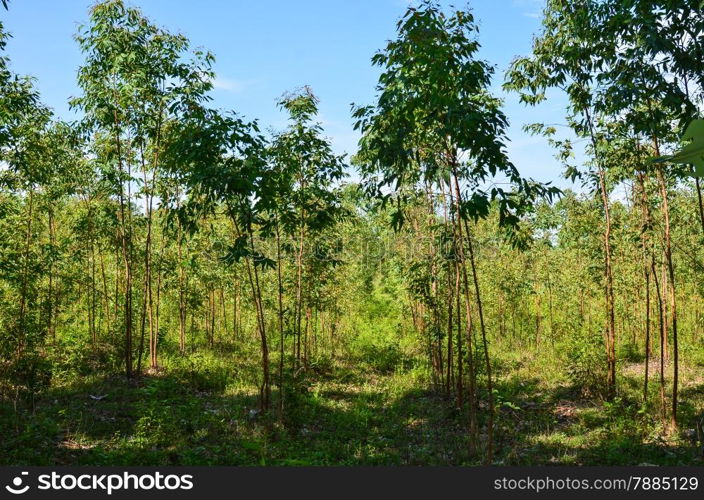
{"x":199,"y":410}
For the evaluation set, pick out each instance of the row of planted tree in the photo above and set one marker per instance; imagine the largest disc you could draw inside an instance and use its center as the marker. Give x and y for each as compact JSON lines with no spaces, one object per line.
{"x":156,"y":218}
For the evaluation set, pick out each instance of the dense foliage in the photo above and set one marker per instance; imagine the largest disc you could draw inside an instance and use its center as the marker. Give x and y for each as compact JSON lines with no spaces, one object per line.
{"x":443,"y":310}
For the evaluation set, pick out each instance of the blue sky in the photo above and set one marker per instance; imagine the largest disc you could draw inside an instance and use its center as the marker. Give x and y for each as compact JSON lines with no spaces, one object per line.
{"x":266,"y":47}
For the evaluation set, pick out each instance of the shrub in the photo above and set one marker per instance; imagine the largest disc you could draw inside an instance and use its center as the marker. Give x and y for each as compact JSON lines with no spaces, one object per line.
{"x":201,"y":373}
{"x":26,"y":377}
{"x":586,"y":363}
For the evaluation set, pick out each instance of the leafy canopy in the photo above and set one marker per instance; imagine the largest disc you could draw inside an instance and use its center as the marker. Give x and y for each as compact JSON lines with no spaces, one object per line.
{"x":434,"y":118}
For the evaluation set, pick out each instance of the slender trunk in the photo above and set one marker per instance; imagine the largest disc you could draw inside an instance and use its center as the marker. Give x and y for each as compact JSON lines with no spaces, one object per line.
{"x":699,"y":199}
{"x":460,"y":361}
{"x":550,"y":312}
{"x":235,"y":312}
{"x":106,"y":296}
{"x":22,"y":341}
{"x":450,"y":303}
{"x":538,"y":318}
{"x":253,"y":276}
{"x":485,"y":345}
{"x":148,"y":298}
{"x":609,"y":291}
{"x":299,"y":293}
{"x":266,"y":388}
{"x":663,"y":333}
{"x":666,"y":313}
{"x":480,"y":312}
{"x":646,"y":273}
{"x":472,"y":395}
{"x":51,"y":327}
{"x":646,"y":224}
{"x":672,"y":290}
{"x":93,"y":293}
{"x":608,"y":272}
{"x":142,"y":328}
{"x":280,"y":293}
{"x":125,"y":243}
{"x":458,"y":317}
{"x":435,"y":339}
{"x":119,"y":278}
{"x":299,"y":271}
{"x":306,"y":343}
{"x":223,"y":310}
{"x":158,"y":299}
{"x":211,"y":317}
{"x":181,"y":287}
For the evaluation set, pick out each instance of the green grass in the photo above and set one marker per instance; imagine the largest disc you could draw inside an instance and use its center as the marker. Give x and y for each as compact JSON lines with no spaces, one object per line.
{"x":201,"y":409}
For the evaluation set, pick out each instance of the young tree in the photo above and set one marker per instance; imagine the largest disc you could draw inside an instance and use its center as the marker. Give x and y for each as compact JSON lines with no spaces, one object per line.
{"x":304,"y":172}
{"x":566,"y":56}
{"x":25,"y":149}
{"x":134,"y":81}
{"x":222,"y":162}
{"x":435,"y":123}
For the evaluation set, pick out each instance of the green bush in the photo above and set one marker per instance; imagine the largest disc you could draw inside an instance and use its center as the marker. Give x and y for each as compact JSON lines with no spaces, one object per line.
{"x":75,"y":354}
{"x":201,"y":373}
{"x":632,"y":353}
{"x":383,"y":358}
{"x":156,"y":427}
{"x":586,"y":363}
{"x":26,"y":377}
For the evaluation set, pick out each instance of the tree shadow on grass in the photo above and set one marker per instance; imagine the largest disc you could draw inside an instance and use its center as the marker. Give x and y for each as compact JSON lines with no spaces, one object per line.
{"x":169,"y":419}
{"x":161,"y":421}
{"x":539,"y":426}
{"x":107,"y":420}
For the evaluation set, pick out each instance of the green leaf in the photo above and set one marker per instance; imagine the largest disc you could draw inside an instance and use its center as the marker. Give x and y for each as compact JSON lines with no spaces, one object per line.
{"x":692,"y":153}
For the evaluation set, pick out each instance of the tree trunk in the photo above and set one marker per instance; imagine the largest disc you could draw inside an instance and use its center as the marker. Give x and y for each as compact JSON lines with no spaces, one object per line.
{"x":472,"y":396}
{"x":22,"y":341}
{"x":609,"y":291}
{"x":645,"y":228}
{"x":672,"y":290}
{"x":125,"y":243}
{"x":280,"y":293}
{"x":699,"y":199}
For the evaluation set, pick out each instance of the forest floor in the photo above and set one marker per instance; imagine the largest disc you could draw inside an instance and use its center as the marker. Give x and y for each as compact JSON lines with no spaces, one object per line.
{"x":198,"y":411}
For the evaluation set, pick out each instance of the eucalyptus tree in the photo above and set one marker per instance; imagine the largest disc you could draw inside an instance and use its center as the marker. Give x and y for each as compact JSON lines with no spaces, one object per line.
{"x":568,"y":55}
{"x":644,"y":67}
{"x":423,"y":264}
{"x":690,"y":155}
{"x":434,"y":123}
{"x":642,"y":74}
{"x":25,"y":150}
{"x":172,"y":185}
{"x":96,"y":222}
{"x":135,"y":79}
{"x":222,"y":162}
{"x":29,"y":169}
{"x":62,"y":163}
{"x":305,"y":171}
{"x":652,"y":85}
{"x":672,"y":34}
{"x":281,"y":213}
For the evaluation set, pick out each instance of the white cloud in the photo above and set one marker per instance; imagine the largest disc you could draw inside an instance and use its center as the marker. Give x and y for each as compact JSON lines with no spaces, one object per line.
{"x":534,"y":7}
{"x":231,"y":84}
